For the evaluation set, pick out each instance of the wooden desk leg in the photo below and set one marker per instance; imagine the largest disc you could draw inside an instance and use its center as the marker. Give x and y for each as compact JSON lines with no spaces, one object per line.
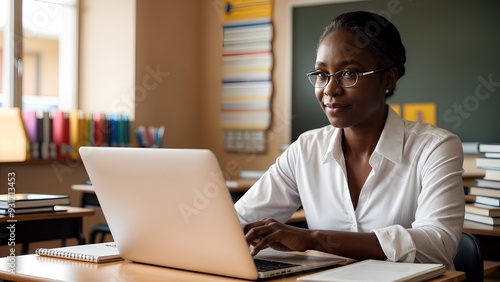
{"x":81,"y":236}
{"x":24,"y":248}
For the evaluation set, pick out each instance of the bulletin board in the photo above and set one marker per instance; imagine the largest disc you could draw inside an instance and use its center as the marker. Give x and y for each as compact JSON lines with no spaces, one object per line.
{"x":247,"y":62}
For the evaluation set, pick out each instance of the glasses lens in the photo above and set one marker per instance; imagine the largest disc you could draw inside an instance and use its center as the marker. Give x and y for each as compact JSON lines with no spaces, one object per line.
{"x":347,"y":78}
{"x":318,"y":80}
{"x":312,"y":79}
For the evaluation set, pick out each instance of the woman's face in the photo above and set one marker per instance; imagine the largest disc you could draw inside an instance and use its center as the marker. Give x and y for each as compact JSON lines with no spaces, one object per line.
{"x":359,"y":104}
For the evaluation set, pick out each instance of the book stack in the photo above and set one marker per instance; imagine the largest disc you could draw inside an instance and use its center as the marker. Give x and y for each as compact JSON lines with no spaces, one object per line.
{"x":486,"y":206}
{"x":23,"y":203}
{"x":59,"y":134}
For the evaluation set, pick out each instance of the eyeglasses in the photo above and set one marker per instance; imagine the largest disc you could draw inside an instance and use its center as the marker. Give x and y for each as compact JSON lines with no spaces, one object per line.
{"x":344,"y":78}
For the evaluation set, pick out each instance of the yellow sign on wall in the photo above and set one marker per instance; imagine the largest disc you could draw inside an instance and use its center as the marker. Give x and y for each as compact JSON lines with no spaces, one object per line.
{"x":421,"y":112}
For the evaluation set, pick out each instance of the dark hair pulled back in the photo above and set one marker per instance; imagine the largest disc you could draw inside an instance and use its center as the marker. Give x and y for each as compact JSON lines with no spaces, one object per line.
{"x":375,"y":32}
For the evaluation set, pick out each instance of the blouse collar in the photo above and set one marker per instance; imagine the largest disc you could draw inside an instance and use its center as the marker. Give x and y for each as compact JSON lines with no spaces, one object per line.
{"x":390,"y":144}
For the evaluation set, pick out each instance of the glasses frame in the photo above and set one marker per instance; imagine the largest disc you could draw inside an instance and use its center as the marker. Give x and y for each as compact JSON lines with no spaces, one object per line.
{"x":337,"y":79}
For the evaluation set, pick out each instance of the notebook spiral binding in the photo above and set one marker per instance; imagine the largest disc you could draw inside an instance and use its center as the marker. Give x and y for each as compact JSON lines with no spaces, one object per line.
{"x":66,"y":255}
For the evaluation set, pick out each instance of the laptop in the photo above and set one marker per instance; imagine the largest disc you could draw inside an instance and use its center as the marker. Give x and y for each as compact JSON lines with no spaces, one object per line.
{"x":171,"y":208}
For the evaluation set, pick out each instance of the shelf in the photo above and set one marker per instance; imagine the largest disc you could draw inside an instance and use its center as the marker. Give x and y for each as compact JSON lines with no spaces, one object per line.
{"x":41,"y":162}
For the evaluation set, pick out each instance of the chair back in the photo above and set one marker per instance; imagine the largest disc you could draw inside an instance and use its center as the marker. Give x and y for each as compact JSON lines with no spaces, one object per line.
{"x":469,"y":258}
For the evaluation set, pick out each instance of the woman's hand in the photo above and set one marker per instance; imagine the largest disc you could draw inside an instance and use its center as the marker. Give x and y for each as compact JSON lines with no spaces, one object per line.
{"x":270,"y":233}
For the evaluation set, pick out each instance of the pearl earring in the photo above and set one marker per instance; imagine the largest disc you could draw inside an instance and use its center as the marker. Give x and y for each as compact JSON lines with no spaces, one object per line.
{"x":386,"y":91}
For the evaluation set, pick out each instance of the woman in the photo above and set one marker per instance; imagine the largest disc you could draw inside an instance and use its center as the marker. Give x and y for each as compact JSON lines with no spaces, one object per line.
{"x":371,"y":184}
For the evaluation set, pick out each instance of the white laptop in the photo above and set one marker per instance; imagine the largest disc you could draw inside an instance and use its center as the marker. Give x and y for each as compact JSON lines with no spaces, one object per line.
{"x":171,"y":207}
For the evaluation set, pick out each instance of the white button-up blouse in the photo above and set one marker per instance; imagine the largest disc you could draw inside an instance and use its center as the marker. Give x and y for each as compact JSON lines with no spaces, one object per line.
{"x":413,"y":198}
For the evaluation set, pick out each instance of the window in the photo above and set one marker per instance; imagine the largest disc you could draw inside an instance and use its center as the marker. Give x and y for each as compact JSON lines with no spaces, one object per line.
{"x":40,"y":46}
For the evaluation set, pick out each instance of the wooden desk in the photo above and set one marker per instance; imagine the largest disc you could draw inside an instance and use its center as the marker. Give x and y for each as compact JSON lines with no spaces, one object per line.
{"x":477,"y":228}
{"x":240,"y":185}
{"x":88,"y":197}
{"x":37,"y":268}
{"x":65,"y":223}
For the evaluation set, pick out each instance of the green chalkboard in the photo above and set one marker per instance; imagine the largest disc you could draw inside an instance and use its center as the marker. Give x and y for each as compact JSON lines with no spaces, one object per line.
{"x":453,"y":59}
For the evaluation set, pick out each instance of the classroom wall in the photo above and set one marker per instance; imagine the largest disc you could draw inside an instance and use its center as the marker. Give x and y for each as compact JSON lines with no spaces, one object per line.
{"x":167,"y":70}
{"x":107,"y":56}
{"x":183,"y":39}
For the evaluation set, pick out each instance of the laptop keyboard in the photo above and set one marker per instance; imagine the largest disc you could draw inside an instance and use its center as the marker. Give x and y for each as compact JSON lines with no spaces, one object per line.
{"x":267,"y":265}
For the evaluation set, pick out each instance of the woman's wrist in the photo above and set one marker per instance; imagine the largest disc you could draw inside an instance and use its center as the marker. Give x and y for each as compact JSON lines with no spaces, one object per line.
{"x":319,"y":241}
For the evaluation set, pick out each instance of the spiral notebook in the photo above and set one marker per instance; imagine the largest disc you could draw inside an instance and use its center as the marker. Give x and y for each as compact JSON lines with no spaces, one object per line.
{"x":378,"y":270}
{"x":97,"y":253}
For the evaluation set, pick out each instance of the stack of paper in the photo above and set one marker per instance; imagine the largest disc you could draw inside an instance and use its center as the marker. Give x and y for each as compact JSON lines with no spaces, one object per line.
{"x":380,"y":271}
